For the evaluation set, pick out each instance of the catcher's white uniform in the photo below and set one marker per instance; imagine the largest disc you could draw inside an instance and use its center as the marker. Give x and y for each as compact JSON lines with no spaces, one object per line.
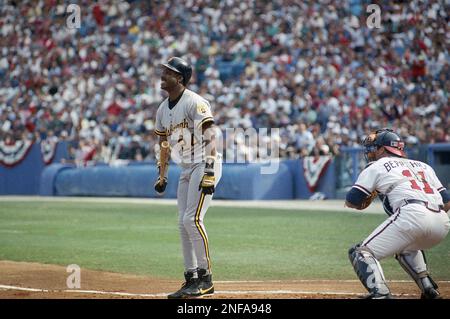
{"x":414,"y":198}
{"x":412,"y":190}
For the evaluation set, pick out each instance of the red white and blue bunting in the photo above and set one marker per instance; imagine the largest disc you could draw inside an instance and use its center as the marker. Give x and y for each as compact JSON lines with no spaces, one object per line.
{"x":48,"y":150}
{"x":313,"y":169}
{"x":11,"y":155}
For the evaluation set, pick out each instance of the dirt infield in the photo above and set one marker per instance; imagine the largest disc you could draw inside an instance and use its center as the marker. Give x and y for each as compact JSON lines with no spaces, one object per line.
{"x":34,"y":280}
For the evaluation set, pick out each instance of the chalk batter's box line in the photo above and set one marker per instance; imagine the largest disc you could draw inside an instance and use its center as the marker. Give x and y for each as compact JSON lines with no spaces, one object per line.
{"x":225,"y":292}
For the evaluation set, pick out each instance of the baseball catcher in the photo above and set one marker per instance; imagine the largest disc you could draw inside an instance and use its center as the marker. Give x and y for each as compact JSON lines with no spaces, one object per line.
{"x":417,"y":203}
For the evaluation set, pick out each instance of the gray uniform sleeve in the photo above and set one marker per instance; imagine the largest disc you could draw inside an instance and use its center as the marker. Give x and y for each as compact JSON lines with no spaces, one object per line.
{"x":159,"y":129}
{"x":200,"y":113}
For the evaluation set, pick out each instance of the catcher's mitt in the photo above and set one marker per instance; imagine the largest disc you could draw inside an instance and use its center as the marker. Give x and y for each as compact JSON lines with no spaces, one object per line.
{"x":369,"y":199}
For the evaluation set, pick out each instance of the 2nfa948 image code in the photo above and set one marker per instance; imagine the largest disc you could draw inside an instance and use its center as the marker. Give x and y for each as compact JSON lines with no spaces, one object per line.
{"x":244,"y":308}
{"x":225,"y":309}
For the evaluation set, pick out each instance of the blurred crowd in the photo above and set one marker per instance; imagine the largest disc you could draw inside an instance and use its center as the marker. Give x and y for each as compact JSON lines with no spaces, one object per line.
{"x":313,"y":69}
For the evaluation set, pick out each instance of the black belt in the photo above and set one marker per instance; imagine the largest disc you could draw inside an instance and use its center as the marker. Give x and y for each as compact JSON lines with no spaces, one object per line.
{"x":423,"y":203}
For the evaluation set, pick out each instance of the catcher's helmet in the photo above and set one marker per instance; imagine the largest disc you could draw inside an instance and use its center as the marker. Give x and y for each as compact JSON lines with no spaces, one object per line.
{"x":181,"y":67}
{"x":386,"y":138}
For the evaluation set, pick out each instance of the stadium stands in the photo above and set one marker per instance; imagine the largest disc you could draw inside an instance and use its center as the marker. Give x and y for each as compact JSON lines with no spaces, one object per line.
{"x":280,"y":64}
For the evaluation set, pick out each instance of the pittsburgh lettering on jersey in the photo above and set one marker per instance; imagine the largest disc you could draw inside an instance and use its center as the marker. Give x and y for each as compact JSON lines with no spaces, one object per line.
{"x":183,"y":124}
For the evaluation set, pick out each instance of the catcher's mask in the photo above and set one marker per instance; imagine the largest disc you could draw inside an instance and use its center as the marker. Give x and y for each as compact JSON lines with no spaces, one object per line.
{"x":386,"y":138}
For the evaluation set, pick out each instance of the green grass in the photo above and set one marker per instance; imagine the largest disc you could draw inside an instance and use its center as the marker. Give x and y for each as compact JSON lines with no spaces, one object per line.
{"x":245,"y":244}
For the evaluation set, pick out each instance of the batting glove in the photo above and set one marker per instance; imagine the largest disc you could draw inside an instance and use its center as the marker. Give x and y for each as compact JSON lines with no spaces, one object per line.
{"x":208,"y":179}
{"x":160,"y":186}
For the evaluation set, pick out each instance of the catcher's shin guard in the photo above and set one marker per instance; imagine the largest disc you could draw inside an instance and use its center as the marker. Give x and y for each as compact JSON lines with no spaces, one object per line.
{"x":369,"y":271}
{"x":414,"y":263}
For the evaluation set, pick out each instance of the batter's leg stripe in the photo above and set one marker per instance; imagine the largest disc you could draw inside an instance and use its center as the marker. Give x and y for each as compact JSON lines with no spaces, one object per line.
{"x":200,"y":229}
{"x":202,"y":232}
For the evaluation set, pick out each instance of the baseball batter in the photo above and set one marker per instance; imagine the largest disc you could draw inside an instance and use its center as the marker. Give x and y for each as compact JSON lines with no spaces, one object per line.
{"x":185,"y":120}
{"x":417,"y":204}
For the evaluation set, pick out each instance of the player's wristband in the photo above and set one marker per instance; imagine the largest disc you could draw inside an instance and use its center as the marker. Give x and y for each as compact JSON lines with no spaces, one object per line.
{"x":209,"y":165}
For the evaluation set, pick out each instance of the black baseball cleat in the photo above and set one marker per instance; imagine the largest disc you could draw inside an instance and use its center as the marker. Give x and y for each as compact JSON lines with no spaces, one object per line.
{"x":203,"y":285}
{"x":430,"y":293}
{"x":190,"y":281}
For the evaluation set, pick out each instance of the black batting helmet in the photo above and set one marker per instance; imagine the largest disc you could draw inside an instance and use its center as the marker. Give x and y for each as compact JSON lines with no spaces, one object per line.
{"x":180,"y":66}
{"x":386,"y":138}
